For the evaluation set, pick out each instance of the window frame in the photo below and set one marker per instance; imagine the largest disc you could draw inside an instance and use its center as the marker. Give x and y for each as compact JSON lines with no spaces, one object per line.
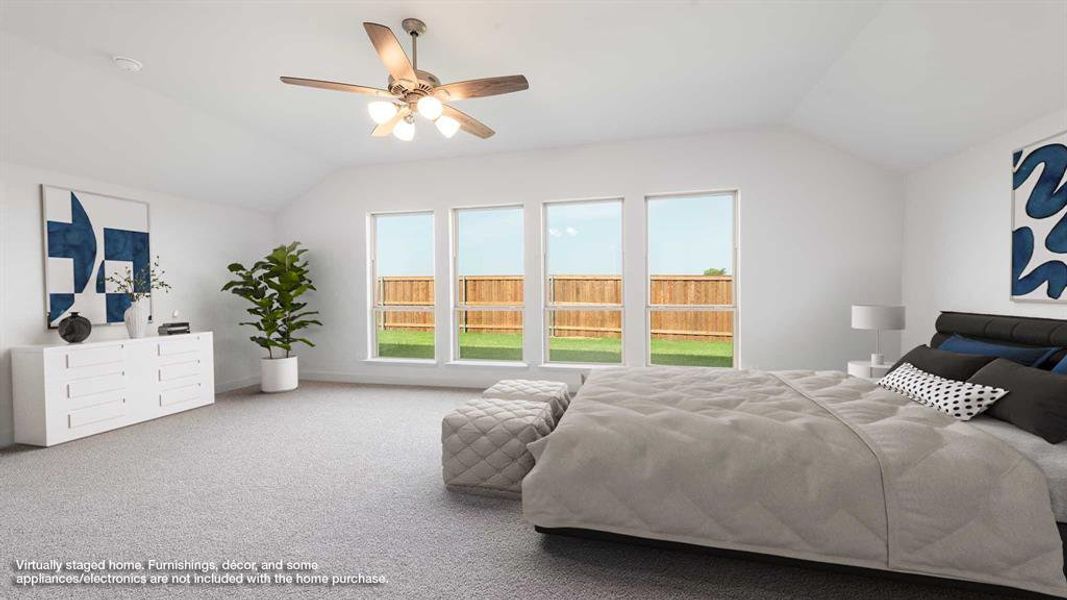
{"x":373,"y":297}
{"x":548,"y":306}
{"x":455,"y":306}
{"x":734,"y":264}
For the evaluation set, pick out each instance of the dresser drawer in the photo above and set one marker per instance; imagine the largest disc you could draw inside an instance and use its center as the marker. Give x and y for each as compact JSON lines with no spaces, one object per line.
{"x":179,"y":370}
{"x":95,"y":385}
{"x":95,"y":356}
{"x":96,"y":414}
{"x":181,"y":394}
{"x":185,"y":345}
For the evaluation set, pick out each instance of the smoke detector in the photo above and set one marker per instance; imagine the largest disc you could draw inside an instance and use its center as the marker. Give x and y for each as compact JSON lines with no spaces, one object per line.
{"x":127,"y":64}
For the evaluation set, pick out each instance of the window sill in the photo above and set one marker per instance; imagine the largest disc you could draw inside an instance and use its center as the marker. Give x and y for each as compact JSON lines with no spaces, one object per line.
{"x":411,"y":362}
{"x":510,"y":364}
{"x":582,"y":366}
{"x":690,"y":366}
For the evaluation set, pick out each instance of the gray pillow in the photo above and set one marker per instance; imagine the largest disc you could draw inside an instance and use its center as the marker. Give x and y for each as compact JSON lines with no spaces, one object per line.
{"x":1036,"y":400}
{"x":950,"y":365}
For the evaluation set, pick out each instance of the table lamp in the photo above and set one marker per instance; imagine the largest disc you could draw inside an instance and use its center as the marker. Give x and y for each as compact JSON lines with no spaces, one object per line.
{"x":879,"y":318}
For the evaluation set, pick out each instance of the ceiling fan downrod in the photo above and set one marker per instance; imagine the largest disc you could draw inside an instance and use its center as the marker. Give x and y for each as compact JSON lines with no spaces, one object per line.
{"x":415,"y":28}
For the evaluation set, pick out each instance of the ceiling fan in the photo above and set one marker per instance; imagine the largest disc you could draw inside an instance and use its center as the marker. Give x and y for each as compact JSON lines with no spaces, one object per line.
{"x":412,"y":91}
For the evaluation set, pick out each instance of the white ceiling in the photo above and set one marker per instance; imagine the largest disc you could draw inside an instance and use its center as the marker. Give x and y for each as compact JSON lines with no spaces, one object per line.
{"x":898,"y":83}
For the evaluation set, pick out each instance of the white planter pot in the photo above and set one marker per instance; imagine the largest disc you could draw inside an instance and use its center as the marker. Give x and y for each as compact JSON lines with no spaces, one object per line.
{"x":136,"y":318}
{"x":278,"y":374}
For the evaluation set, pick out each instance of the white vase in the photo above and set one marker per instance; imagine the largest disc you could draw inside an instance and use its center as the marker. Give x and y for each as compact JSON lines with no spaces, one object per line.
{"x":136,"y":318}
{"x":278,"y":374}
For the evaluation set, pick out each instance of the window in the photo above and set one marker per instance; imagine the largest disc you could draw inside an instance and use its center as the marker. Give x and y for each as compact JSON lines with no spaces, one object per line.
{"x":583,"y":281}
{"x":402,"y":309}
{"x":489,"y":283}
{"x":691,"y":266}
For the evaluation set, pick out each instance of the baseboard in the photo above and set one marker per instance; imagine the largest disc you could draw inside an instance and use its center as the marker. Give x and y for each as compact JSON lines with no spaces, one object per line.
{"x":388,"y":379}
{"x":341,"y":377}
{"x":229,"y":386}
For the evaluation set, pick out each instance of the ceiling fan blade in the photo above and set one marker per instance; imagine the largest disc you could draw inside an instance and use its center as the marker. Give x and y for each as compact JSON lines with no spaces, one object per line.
{"x":468,"y":123}
{"x":392,"y":54}
{"x":340,"y":87}
{"x":386,"y":128}
{"x":477,"y":88}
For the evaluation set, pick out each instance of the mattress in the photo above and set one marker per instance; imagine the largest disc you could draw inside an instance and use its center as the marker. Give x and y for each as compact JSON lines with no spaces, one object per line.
{"x":1050,"y":458}
{"x":809,"y":465}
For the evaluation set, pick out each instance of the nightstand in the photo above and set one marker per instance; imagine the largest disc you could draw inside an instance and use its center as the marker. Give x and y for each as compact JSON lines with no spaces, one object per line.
{"x":864,"y":369}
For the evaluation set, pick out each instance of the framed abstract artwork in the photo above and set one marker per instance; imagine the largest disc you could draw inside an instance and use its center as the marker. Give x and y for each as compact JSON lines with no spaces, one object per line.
{"x":1039,"y":221}
{"x":87,"y":238}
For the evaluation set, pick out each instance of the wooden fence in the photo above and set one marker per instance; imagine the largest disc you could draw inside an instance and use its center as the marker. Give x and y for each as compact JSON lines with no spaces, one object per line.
{"x":568,"y":291}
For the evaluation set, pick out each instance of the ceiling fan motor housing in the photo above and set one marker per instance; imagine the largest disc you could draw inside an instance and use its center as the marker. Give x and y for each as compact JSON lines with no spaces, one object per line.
{"x":424,"y":86}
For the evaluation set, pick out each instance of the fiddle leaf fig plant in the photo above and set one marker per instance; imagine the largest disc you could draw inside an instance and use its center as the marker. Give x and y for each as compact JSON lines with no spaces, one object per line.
{"x":274,"y":287}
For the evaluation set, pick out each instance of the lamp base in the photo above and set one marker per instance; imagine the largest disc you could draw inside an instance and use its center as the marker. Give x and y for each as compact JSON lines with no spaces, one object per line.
{"x":877,"y":360}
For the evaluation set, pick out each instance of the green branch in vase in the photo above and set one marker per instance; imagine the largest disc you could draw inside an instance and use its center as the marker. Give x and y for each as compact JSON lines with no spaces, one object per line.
{"x":134,"y":284}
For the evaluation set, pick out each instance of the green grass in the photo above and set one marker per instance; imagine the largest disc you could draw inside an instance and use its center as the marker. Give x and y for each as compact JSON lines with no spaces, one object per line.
{"x":490,"y":346}
{"x":688,"y":353}
{"x":398,"y":343}
{"x":395,"y":343}
{"x":585,"y":350}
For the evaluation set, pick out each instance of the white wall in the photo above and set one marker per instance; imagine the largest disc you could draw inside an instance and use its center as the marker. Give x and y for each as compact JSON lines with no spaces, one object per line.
{"x":819,"y":231}
{"x":194,"y":240}
{"x":958,"y":234}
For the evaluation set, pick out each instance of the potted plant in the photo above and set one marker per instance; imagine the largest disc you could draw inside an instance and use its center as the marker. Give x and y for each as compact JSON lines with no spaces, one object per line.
{"x":139,"y":286}
{"x":273,"y":286}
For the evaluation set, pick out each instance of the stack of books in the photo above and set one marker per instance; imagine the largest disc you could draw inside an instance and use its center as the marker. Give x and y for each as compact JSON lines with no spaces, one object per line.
{"x":173,"y":328}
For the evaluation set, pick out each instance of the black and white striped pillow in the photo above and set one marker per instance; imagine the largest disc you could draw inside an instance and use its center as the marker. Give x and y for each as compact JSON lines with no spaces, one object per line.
{"x":957,"y":398}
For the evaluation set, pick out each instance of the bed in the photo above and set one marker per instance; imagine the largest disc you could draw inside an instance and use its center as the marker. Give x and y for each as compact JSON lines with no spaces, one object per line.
{"x":814,"y":466}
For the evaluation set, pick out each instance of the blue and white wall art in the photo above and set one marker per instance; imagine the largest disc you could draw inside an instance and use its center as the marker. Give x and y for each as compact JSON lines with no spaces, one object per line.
{"x":1039,"y":221}
{"x":89,"y":237}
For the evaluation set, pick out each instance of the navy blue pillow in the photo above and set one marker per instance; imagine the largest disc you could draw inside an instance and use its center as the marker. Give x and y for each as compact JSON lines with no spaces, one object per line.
{"x":1031,"y":357}
{"x":1061,"y":368}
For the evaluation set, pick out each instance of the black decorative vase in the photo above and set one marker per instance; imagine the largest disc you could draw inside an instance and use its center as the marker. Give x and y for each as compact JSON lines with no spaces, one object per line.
{"x":75,"y":328}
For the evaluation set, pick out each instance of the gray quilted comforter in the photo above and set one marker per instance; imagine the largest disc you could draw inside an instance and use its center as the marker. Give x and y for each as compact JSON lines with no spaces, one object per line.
{"x":809,"y":465}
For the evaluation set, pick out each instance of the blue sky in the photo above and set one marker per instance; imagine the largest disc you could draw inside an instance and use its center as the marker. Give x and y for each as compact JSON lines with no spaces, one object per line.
{"x":689,"y":234}
{"x":686,"y":235}
{"x":584,"y":238}
{"x":489,"y":241}
{"x":405,"y":244}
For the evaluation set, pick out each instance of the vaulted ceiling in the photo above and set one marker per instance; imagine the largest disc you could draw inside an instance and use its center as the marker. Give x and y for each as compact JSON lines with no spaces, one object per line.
{"x":898,"y":83}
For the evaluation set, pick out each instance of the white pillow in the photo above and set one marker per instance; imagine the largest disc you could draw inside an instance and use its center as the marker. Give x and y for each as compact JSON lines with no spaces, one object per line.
{"x":957,"y":398}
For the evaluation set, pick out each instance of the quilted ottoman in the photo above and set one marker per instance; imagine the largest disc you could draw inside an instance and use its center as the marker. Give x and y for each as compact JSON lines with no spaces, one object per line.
{"x":484,"y":441}
{"x":554,"y":393}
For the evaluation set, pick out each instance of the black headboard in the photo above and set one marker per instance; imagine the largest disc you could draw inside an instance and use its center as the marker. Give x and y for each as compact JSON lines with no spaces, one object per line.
{"x":1021,"y":331}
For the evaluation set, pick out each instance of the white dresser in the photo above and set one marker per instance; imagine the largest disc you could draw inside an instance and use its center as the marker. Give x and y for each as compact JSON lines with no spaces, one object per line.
{"x":69,"y":391}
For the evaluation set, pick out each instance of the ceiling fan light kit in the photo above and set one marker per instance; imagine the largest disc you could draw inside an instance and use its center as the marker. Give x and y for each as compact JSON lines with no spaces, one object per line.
{"x":381,"y":111}
{"x":447,"y":126}
{"x":430,"y":107}
{"x":411,"y":91}
{"x":404,"y":130}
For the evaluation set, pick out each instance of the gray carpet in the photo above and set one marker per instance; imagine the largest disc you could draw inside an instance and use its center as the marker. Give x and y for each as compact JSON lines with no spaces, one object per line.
{"x":347,"y":476}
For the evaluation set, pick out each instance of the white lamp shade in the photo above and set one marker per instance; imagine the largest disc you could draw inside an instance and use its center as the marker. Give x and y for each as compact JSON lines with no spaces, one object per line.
{"x":429,"y":107}
{"x":447,"y":126}
{"x":404,"y":131}
{"x":884,"y":318}
{"x":381,"y":112}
